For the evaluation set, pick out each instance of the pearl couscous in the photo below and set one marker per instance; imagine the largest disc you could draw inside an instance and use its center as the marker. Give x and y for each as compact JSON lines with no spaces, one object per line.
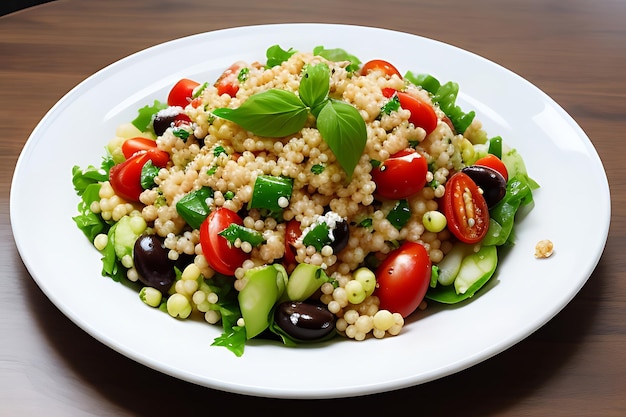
{"x":204,"y":149}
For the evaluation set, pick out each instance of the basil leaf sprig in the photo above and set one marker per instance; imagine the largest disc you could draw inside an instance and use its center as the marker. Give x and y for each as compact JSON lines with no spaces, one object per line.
{"x":276,"y":55}
{"x":273,"y":113}
{"x":278,"y":113}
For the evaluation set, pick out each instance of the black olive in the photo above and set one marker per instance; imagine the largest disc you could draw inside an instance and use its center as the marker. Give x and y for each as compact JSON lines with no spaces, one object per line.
{"x":341,"y":235}
{"x":154,"y":267}
{"x":304,"y":321}
{"x":490,"y":181}
{"x":161,"y":123}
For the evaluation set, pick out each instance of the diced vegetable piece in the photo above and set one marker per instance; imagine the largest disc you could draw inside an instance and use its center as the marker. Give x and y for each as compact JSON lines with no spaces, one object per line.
{"x":245,"y":234}
{"x":476,"y":269}
{"x":400,"y":214}
{"x":193,"y":207}
{"x":495,"y":146}
{"x":318,"y":236}
{"x":271,"y":193}
{"x":304,"y":281}
{"x":128,"y":229}
{"x":264,"y":286}
{"x":451,"y":263}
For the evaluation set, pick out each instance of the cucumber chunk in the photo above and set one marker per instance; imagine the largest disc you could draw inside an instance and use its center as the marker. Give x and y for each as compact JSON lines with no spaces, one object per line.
{"x":304,"y":281}
{"x":450,"y":265}
{"x":265,"y":285}
{"x":476,"y":269}
{"x":128,"y":229}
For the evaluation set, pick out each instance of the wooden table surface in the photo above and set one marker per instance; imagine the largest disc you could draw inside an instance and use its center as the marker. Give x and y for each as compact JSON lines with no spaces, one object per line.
{"x":573,"y":50}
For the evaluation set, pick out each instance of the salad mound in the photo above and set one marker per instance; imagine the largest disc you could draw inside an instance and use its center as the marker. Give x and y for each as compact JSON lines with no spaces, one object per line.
{"x":303,"y":198}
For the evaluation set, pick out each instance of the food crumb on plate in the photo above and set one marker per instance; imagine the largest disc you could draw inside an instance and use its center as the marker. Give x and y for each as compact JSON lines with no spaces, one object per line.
{"x":544,"y":249}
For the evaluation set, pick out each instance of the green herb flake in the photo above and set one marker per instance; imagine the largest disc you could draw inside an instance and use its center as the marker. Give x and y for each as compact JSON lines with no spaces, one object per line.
{"x":243,"y":74}
{"x":181,"y":133}
{"x":393,"y":105}
{"x":367,"y":222}
{"x":317,"y":169}
{"x":218,"y":150}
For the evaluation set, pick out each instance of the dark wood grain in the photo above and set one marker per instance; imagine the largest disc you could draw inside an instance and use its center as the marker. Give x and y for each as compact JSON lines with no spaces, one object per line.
{"x":575,"y":51}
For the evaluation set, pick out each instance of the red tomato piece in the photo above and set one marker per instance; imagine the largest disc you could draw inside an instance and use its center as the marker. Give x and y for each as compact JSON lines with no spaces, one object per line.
{"x":493,"y":162}
{"x":139,"y":144}
{"x":228,"y":82}
{"x":422,"y":114}
{"x":402,"y":175}
{"x":465,"y":209}
{"x":219,"y":253}
{"x":133,"y":145}
{"x":182,"y":92}
{"x":292,"y":233}
{"x":403,"y":278}
{"x":125,"y":178}
{"x":380,"y":65}
{"x":388,"y":92}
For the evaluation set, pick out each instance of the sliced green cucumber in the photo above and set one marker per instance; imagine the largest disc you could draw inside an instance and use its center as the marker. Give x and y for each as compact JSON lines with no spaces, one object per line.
{"x":475,"y":271}
{"x":304,"y":281}
{"x":451,"y":264}
{"x":264,"y":286}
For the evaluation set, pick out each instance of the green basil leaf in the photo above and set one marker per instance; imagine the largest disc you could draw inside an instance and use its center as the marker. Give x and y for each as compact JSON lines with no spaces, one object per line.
{"x":315,"y":84}
{"x":277,"y":55}
{"x":338,"y":54}
{"x":343,"y":129}
{"x":273,"y":113}
{"x":148,"y":173}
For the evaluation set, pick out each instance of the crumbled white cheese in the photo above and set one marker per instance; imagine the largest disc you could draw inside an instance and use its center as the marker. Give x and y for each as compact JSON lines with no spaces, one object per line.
{"x":330,"y":219}
{"x":171,"y":111}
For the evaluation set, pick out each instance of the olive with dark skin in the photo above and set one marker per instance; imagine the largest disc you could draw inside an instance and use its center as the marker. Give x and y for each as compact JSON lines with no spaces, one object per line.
{"x":154,"y":267}
{"x":161,"y":123}
{"x":341,"y":235}
{"x":490,"y":181}
{"x":304,"y":321}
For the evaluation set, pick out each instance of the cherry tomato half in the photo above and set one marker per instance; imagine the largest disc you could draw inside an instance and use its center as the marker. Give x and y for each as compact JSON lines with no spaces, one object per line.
{"x":402,"y":175}
{"x":380,"y":65}
{"x":493,"y":162}
{"x":182,"y":93}
{"x":134,"y":145}
{"x":228,"y":82}
{"x":422,"y":114}
{"x":219,"y":253}
{"x":292,"y":233}
{"x":403,"y":277}
{"x":465,"y":209}
{"x":125,"y":178}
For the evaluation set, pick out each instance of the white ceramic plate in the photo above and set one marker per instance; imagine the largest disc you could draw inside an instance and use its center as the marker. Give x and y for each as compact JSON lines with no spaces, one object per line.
{"x":524,"y":295}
